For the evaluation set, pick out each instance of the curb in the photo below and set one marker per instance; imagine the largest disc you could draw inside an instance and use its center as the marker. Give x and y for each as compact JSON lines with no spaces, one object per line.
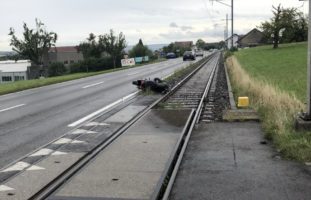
{"x":231,"y":98}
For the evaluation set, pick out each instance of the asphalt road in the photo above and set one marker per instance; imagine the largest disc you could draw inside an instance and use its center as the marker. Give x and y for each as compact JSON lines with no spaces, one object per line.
{"x":32,"y":118}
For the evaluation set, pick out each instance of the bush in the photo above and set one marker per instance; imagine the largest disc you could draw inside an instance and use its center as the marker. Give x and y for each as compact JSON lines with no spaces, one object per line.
{"x":228,"y":54}
{"x":56,"y":69}
{"x":92,"y":65}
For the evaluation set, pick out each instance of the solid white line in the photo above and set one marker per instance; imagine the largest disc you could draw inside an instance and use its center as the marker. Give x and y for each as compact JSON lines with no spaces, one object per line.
{"x":80,"y":121}
{"x":93,"y":85}
{"x":168,"y":75}
{"x":6,"y":109}
{"x":133,"y":73}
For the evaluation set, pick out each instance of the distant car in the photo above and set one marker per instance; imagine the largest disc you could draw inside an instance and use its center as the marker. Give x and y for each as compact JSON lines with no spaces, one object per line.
{"x":188,"y":55}
{"x":199,"y":53}
{"x":171,"y":55}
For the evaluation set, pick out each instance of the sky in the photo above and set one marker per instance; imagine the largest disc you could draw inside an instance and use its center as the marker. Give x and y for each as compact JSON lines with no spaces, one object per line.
{"x":154,"y":21}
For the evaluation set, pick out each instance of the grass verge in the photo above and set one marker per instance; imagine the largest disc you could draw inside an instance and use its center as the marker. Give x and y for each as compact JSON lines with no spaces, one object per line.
{"x":277,"y":109}
{"x":284,"y":68}
{"x":29,"y":84}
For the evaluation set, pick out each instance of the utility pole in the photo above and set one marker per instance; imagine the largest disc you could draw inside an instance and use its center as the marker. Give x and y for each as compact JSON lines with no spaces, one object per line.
{"x":219,"y":1}
{"x":227,"y":32}
{"x":303,"y":121}
{"x":309,"y":67}
{"x":307,"y":115}
{"x":232,"y":23}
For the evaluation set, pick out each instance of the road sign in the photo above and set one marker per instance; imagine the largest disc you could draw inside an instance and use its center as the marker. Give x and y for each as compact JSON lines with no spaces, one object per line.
{"x":128,"y":62}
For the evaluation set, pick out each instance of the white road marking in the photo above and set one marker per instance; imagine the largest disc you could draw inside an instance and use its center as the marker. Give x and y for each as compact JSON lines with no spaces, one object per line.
{"x":34,"y":167}
{"x":58,"y":153}
{"x":88,"y":117}
{"x":77,"y":141}
{"x":10,"y":108}
{"x":62,"y":141}
{"x":19,"y":166}
{"x":45,"y":152}
{"x":42,"y":152}
{"x":133,"y":73}
{"x":87,"y":86}
{"x":67,"y":141}
{"x":4,"y":188}
{"x":82,"y":131}
{"x":96,"y":124}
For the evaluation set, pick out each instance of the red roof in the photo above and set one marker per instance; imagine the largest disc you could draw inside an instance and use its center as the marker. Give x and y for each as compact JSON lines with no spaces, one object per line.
{"x":64,"y":49}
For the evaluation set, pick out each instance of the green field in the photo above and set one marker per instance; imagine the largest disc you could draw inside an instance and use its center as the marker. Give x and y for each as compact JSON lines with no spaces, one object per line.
{"x":271,"y":78}
{"x":285,"y":67}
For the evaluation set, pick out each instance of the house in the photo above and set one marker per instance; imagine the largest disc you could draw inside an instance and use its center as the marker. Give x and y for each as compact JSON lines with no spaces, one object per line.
{"x":251,"y":39}
{"x":228,"y":41}
{"x":11,"y":70}
{"x":66,"y":55}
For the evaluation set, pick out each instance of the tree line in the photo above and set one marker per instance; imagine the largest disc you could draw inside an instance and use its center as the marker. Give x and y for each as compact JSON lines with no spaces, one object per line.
{"x":287,"y":25}
{"x":100,"y":52}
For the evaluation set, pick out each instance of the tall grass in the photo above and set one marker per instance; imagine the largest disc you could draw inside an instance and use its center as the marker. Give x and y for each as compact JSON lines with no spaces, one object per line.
{"x":277,"y":110}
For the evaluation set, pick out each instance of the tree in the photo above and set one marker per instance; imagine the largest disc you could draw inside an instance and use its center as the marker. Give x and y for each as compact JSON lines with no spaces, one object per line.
{"x":35,"y":44}
{"x":113,"y":45}
{"x":178,"y":50}
{"x":140,"y":50}
{"x":200,"y":44}
{"x":286,"y":25}
{"x":90,"y":48}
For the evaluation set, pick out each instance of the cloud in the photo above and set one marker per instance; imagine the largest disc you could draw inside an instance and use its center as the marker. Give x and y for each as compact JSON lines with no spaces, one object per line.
{"x":185,"y":28}
{"x":209,"y":35}
{"x":173,"y":25}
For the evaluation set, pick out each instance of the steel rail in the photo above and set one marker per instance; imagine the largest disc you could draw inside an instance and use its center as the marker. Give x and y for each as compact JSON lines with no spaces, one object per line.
{"x":187,"y":138}
{"x":78,"y":165}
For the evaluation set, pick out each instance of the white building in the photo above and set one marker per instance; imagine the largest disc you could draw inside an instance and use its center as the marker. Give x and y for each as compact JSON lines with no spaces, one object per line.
{"x":235,"y":41}
{"x":11,"y":71}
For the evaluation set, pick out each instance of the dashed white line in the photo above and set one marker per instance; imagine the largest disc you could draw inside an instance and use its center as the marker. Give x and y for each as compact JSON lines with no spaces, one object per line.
{"x":82,"y":131}
{"x":133,"y":73}
{"x":34,"y":167}
{"x":67,"y":141}
{"x":4,"y":188}
{"x":42,"y":152}
{"x":13,"y":107}
{"x":84,"y":119}
{"x":19,"y":166}
{"x":96,"y":124}
{"x":58,"y":153}
{"x":92,"y":85}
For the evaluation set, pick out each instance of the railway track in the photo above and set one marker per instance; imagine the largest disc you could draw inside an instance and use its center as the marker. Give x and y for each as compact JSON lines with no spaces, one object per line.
{"x":204,"y":83}
{"x":194,"y":92}
{"x":190,"y":94}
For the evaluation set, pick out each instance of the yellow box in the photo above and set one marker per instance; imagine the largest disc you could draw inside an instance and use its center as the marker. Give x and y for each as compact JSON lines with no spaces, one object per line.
{"x":243,"y":102}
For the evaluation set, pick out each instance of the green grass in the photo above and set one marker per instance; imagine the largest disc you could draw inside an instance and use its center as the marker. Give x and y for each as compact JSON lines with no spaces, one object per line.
{"x":285,"y":67}
{"x":28,"y":84}
{"x":273,"y":78}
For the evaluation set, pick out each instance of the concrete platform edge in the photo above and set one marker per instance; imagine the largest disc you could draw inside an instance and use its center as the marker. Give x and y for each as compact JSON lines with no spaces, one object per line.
{"x":231,"y":97}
